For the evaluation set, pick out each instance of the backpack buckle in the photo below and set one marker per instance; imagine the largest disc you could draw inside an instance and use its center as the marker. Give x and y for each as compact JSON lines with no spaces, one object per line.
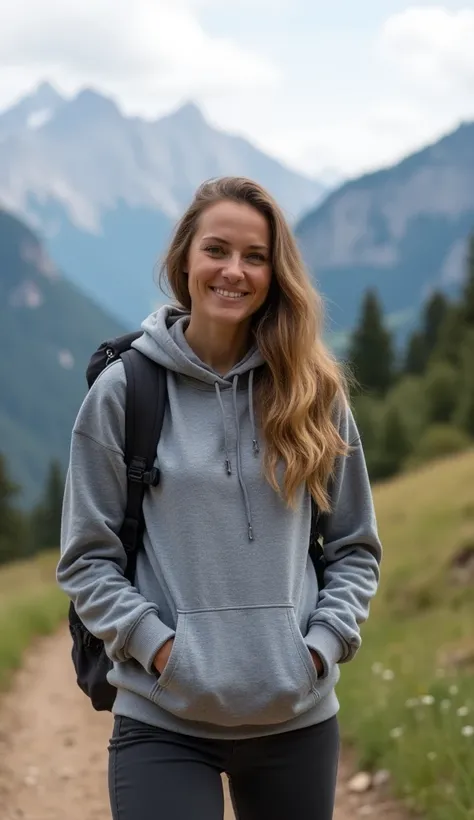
{"x":138,"y":474}
{"x":152,"y":477}
{"x":135,"y":473}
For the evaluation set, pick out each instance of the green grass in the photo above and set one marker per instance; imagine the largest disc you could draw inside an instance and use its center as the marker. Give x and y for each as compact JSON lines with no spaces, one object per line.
{"x":407,"y":700}
{"x":31,"y":604}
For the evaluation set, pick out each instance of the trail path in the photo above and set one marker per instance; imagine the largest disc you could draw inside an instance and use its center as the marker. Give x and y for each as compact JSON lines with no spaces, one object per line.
{"x":53,"y":749}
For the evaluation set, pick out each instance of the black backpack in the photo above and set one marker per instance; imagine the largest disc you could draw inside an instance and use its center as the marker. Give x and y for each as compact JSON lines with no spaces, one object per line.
{"x":144,"y":411}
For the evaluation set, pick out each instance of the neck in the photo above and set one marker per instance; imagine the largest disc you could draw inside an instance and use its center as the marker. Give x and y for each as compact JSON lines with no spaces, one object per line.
{"x":220,"y":347}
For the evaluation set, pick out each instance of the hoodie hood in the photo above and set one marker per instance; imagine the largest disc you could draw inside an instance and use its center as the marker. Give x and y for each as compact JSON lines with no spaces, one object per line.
{"x":164,"y":342}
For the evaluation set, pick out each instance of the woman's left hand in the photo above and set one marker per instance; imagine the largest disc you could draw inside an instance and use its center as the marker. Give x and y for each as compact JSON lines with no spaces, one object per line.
{"x":317,"y":662}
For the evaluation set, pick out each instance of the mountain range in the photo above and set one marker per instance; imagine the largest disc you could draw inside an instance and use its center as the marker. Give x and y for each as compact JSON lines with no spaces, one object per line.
{"x":48,"y":331}
{"x":104,"y":189}
{"x":401,"y":231}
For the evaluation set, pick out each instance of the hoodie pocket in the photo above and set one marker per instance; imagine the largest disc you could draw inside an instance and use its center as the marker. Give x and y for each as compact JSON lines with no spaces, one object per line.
{"x":241,"y":666}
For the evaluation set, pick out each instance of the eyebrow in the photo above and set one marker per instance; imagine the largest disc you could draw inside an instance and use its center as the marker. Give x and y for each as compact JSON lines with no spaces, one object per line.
{"x":226,"y":242}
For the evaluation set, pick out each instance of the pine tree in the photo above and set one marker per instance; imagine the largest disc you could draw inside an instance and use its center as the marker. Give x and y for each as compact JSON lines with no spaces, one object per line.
{"x":441,"y":386}
{"x":415,"y":355}
{"x":393,"y":445}
{"x":11,"y":533}
{"x":467,"y":299}
{"x":451,"y":336}
{"x":371,"y":351}
{"x":46,"y":517}
{"x":464,"y":415}
{"x":434,"y":315}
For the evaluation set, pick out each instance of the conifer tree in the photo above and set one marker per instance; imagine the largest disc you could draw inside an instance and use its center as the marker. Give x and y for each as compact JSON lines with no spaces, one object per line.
{"x":434,"y":315}
{"x":451,"y":336}
{"x":393,"y":445}
{"x":46,"y":517}
{"x":11,"y":535}
{"x":441,"y":385}
{"x":371,"y":351}
{"x":467,"y":299}
{"x":464,"y":415}
{"x":415,"y":356}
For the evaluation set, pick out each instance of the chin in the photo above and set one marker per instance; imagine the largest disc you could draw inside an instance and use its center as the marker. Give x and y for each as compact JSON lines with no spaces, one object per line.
{"x":228,"y":317}
{"x":231,"y":314}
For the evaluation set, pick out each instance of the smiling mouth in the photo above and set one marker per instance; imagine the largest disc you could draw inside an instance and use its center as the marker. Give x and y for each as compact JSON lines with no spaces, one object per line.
{"x":230,"y":294}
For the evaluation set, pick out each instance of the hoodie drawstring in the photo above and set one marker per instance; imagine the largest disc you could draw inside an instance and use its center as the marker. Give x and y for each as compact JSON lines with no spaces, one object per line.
{"x":239,"y":461}
{"x":255,"y":445}
{"x":228,"y":464}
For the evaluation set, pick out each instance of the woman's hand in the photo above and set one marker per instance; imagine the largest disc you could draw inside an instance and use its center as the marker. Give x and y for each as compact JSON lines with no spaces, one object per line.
{"x":162,"y":656}
{"x":317,"y":662}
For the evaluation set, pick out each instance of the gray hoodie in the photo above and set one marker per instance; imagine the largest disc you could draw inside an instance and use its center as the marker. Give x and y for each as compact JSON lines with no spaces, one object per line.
{"x":225,"y":567}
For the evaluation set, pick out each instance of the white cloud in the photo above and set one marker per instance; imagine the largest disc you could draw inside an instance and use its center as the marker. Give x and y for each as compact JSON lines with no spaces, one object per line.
{"x":419,"y":86}
{"x":433,"y":46}
{"x":141,"y":53}
{"x":378,"y":136}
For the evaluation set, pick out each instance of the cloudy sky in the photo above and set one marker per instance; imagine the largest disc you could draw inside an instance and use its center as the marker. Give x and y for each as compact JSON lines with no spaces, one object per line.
{"x":345,"y":85}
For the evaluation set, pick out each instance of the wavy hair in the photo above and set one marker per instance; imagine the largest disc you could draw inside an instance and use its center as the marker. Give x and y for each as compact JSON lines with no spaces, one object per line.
{"x":301,"y":383}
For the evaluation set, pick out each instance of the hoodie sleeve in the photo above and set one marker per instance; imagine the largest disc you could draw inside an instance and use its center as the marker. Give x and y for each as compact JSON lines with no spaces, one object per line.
{"x":92,"y":562}
{"x":353,"y":553}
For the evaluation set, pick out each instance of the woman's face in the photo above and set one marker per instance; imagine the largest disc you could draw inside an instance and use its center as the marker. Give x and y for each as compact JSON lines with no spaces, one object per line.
{"x":229,"y":263}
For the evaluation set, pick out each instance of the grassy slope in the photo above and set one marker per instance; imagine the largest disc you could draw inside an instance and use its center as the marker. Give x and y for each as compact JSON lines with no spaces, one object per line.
{"x":401,"y":696}
{"x":31,"y":604}
{"x":405,"y":700}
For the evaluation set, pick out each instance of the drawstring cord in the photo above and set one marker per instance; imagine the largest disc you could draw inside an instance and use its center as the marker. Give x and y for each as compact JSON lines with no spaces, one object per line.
{"x":239,"y":461}
{"x":226,"y":443}
{"x":255,"y":444}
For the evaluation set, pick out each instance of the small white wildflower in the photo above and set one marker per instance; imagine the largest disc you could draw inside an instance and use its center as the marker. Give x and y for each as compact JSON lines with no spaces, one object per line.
{"x":431,"y":755}
{"x":467,"y":731}
{"x":463,"y":711}
{"x":411,"y":703}
{"x":445,"y":705}
{"x":396,"y":732}
{"x":427,"y":700}
{"x":387,"y":674}
{"x":377,"y":668}
{"x":453,"y":690}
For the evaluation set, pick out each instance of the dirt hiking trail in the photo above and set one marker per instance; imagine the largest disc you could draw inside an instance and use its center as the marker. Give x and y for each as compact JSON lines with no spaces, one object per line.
{"x":53,"y":749}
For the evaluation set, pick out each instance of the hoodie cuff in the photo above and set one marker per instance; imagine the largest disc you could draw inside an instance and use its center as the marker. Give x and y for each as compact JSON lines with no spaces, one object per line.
{"x":147,"y":638}
{"x":328,"y":646}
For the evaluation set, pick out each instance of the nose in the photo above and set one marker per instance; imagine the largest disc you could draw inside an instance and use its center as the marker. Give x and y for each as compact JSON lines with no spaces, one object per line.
{"x":233,"y":269}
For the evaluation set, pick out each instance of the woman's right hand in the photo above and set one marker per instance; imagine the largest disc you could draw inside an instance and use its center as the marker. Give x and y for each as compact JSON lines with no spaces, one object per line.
{"x":162,"y":656}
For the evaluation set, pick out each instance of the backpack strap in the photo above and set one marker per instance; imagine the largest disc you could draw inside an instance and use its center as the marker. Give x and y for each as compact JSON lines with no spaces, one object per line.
{"x":144,"y":413}
{"x":316,"y":550}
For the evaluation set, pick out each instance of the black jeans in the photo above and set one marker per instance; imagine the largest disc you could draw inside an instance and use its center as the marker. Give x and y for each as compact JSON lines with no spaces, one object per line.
{"x":155,"y":774}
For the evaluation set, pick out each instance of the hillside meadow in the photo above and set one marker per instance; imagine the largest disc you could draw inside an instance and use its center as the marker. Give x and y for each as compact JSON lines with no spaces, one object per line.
{"x":407,"y":700}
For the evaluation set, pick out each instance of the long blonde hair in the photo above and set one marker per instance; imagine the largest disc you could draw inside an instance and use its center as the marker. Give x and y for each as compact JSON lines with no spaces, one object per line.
{"x":301,"y":382}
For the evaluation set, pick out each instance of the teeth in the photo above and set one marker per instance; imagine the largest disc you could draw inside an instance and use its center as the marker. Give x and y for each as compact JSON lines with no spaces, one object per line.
{"x":228,"y":293}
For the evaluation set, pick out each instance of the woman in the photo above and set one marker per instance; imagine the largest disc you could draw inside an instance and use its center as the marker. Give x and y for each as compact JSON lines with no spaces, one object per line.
{"x":225,"y":652}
